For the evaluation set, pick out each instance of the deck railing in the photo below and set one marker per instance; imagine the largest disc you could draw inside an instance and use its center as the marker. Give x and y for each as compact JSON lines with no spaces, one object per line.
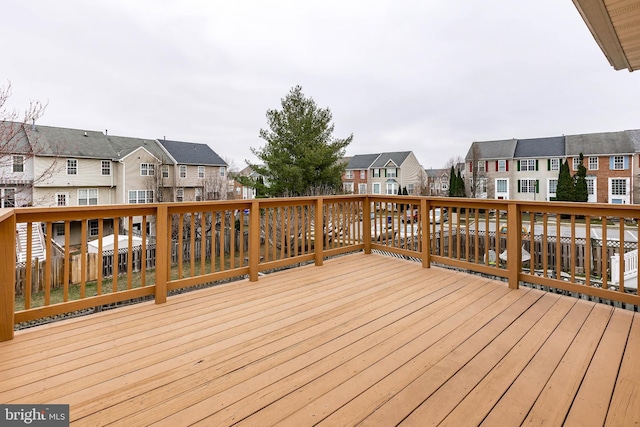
{"x":563,"y":246}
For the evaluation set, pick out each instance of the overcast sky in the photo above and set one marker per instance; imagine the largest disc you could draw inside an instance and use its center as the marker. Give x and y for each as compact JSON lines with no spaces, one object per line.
{"x":424,"y":76}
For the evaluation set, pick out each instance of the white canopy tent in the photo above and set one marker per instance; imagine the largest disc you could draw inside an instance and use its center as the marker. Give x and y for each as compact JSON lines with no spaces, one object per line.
{"x":107,"y":243}
{"x":526,"y":256}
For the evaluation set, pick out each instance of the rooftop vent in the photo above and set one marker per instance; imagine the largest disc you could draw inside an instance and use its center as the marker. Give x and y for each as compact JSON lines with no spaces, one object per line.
{"x":85,"y":134}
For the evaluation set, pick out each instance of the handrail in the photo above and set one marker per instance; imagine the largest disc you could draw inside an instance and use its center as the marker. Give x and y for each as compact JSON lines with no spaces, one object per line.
{"x":204,"y":242}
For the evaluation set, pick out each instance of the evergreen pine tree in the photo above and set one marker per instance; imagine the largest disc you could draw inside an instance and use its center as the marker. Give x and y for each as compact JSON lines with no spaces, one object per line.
{"x":460,"y":192}
{"x":581,"y":191}
{"x":564,"y":190}
{"x":453,"y":181}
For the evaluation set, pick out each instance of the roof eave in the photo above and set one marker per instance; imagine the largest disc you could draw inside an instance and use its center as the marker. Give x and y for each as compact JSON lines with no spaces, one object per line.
{"x":597,"y":18}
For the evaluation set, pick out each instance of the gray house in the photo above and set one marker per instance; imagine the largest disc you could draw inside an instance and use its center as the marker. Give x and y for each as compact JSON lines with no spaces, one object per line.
{"x":489,"y":169}
{"x":537,"y":162}
{"x":196,"y":172}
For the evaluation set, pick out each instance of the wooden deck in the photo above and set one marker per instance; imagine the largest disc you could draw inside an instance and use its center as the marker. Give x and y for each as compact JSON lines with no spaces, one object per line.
{"x":364,"y":339}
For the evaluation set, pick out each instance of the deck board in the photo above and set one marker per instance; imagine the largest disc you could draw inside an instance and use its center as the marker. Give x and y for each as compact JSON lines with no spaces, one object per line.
{"x":364,"y":339}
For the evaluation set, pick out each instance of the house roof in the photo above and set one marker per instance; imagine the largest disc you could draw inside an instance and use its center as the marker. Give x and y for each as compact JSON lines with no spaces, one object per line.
{"x":78,"y":143}
{"x":397,"y":158}
{"x":437,"y":173}
{"x":605,"y":143}
{"x":248,"y":171}
{"x":634,"y":136}
{"x":362,"y":161}
{"x":540,"y":147}
{"x":13,"y":138}
{"x":124,"y":146}
{"x":492,"y":150}
{"x":192,"y":153}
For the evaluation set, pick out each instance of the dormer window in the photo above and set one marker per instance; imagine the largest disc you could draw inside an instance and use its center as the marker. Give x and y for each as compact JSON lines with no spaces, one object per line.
{"x":18,"y":164}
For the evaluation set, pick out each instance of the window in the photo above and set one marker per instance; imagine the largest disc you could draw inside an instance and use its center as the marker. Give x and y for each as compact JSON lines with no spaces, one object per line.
{"x":392,"y":187}
{"x":501,"y":185}
{"x":553,"y":186}
{"x":392,"y":172}
{"x":18,"y":163}
{"x":554,"y":164}
{"x":72,"y":167}
{"x":93,"y":227}
{"x":617,"y":162}
{"x":348,"y":174}
{"x":198,"y":194}
{"x":482,"y":186}
{"x":87,"y":196}
{"x":165,"y":171}
{"x":62,"y":199}
{"x":528,"y":165}
{"x":147,"y":169}
{"x":141,"y":196}
{"x":180,"y":194}
{"x":593,"y":163}
{"x":410,"y":188}
{"x":106,"y":168}
{"x":502,"y":165}
{"x":363,"y":174}
{"x":59,"y":229}
{"x":576,"y":163}
{"x":8,"y":198}
{"x":348,"y":187}
{"x":200,"y":172}
{"x":362,"y":188}
{"x":223,"y":171}
{"x":619,"y":187}
{"x":528,"y":186}
{"x":376,"y":173}
{"x":183,"y":171}
{"x":481,"y":166}
{"x":376,"y":188}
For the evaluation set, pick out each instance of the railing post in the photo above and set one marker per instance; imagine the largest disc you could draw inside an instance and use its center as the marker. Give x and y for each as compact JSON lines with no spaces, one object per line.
{"x":366,"y":225}
{"x":318,"y":238}
{"x":7,"y":276}
{"x":254,"y":240}
{"x":514,"y":242}
{"x":163,"y":258}
{"x":426,"y":233}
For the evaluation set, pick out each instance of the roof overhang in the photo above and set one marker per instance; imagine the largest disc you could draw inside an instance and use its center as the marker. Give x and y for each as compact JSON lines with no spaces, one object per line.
{"x":615,"y":25}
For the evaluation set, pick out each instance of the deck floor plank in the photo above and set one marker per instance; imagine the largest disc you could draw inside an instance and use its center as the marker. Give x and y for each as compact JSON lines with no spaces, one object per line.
{"x":265,"y":372}
{"x":589,"y":408}
{"x":211,"y":370}
{"x":476,"y":365}
{"x":374,"y":397}
{"x":514,"y":405}
{"x":553,"y":404}
{"x":362,"y":340}
{"x":245,"y":348}
{"x":480,"y":401}
{"x":307,"y":404}
{"x":625,"y":402}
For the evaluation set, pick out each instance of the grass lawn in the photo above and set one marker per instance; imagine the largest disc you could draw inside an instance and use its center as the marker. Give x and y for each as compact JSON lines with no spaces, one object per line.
{"x":91,"y":288}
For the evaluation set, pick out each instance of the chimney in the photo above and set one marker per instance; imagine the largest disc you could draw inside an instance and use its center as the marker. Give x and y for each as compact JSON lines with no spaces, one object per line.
{"x":106,"y":132}
{"x":33,"y":124}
